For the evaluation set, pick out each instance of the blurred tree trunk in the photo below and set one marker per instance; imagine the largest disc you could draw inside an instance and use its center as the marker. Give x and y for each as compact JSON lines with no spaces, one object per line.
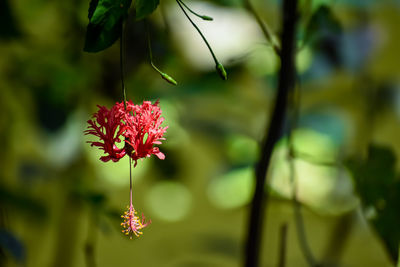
{"x":274,"y":132}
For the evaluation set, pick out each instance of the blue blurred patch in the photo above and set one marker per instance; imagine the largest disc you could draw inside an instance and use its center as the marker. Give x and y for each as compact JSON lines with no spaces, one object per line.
{"x":12,"y":245}
{"x":329,"y":124}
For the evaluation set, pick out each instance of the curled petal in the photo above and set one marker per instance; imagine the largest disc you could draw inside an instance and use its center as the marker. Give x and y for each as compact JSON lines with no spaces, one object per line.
{"x":160,"y":155}
{"x":108,"y":127}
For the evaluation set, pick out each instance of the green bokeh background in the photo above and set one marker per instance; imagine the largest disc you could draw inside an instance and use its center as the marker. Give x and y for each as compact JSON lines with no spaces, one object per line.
{"x":60,"y":206}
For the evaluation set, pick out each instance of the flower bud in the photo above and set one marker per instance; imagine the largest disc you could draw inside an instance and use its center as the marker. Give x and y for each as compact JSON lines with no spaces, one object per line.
{"x":221,"y":71}
{"x":168,"y":78}
{"x":204,"y":17}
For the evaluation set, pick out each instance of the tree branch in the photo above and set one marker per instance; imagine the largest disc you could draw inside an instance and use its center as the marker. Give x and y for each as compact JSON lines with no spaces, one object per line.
{"x":268,"y":34}
{"x":286,"y":83}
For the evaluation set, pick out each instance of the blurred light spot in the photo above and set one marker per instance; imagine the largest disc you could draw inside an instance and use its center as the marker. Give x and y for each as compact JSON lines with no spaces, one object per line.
{"x":242,"y":149}
{"x":263,"y":61}
{"x":303,"y":59}
{"x":170,"y":201}
{"x":233,"y":189}
{"x":370,"y":213}
{"x":326,"y":188}
{"x":115,"y":173}
{"x":176,"y":134}
{"x":313,"y":143}
{"x":63,"y":146}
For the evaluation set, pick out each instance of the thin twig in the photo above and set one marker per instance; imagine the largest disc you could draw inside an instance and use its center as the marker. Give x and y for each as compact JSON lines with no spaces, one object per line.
{"x":301,"y":232}
{"x":283,"y":245}
{"x":338,"y":239}
{"x":149,"y":46}
{"x":273,"y":133}
{"x":268,"y":34}
{"x":90,"y":244}
{"x":299,"y":221}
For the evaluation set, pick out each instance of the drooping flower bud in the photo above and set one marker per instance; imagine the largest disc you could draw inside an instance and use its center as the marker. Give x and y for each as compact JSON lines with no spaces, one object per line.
{"x":221,"y":71}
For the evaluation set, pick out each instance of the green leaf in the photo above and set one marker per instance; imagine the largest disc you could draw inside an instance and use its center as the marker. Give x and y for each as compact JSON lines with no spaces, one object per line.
{"x":98,"y":38}
{"x":105,"y":23}
{"x":92,"y":8}
{"x":145,"y":8}
{"x":378,"y":187}
{"x":99,"y":15}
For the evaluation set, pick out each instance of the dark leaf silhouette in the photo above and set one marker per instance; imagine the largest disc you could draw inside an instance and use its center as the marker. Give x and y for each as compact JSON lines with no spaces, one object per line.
{"x":379,"y":189}
{"x":145,"y":8}
{"x":105,"y":23}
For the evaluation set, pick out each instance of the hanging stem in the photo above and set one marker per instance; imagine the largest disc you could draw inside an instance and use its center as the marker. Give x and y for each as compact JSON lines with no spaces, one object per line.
{"x":285,"y":85}
{"x":130,"y":182}
{"x":165,"y":76}
{"x":121,"y":61}
{"x":198,"y":30}
{"x":204,"y":17}
{"x":220,"y":69}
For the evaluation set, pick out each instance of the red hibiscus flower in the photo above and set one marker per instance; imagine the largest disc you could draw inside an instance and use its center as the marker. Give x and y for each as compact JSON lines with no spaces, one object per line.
{"x":139,"y":125}
{"x":143,"y":130}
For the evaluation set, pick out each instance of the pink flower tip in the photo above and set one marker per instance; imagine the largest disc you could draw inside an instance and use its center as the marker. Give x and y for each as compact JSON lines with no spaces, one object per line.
{"x":132,"y":224}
